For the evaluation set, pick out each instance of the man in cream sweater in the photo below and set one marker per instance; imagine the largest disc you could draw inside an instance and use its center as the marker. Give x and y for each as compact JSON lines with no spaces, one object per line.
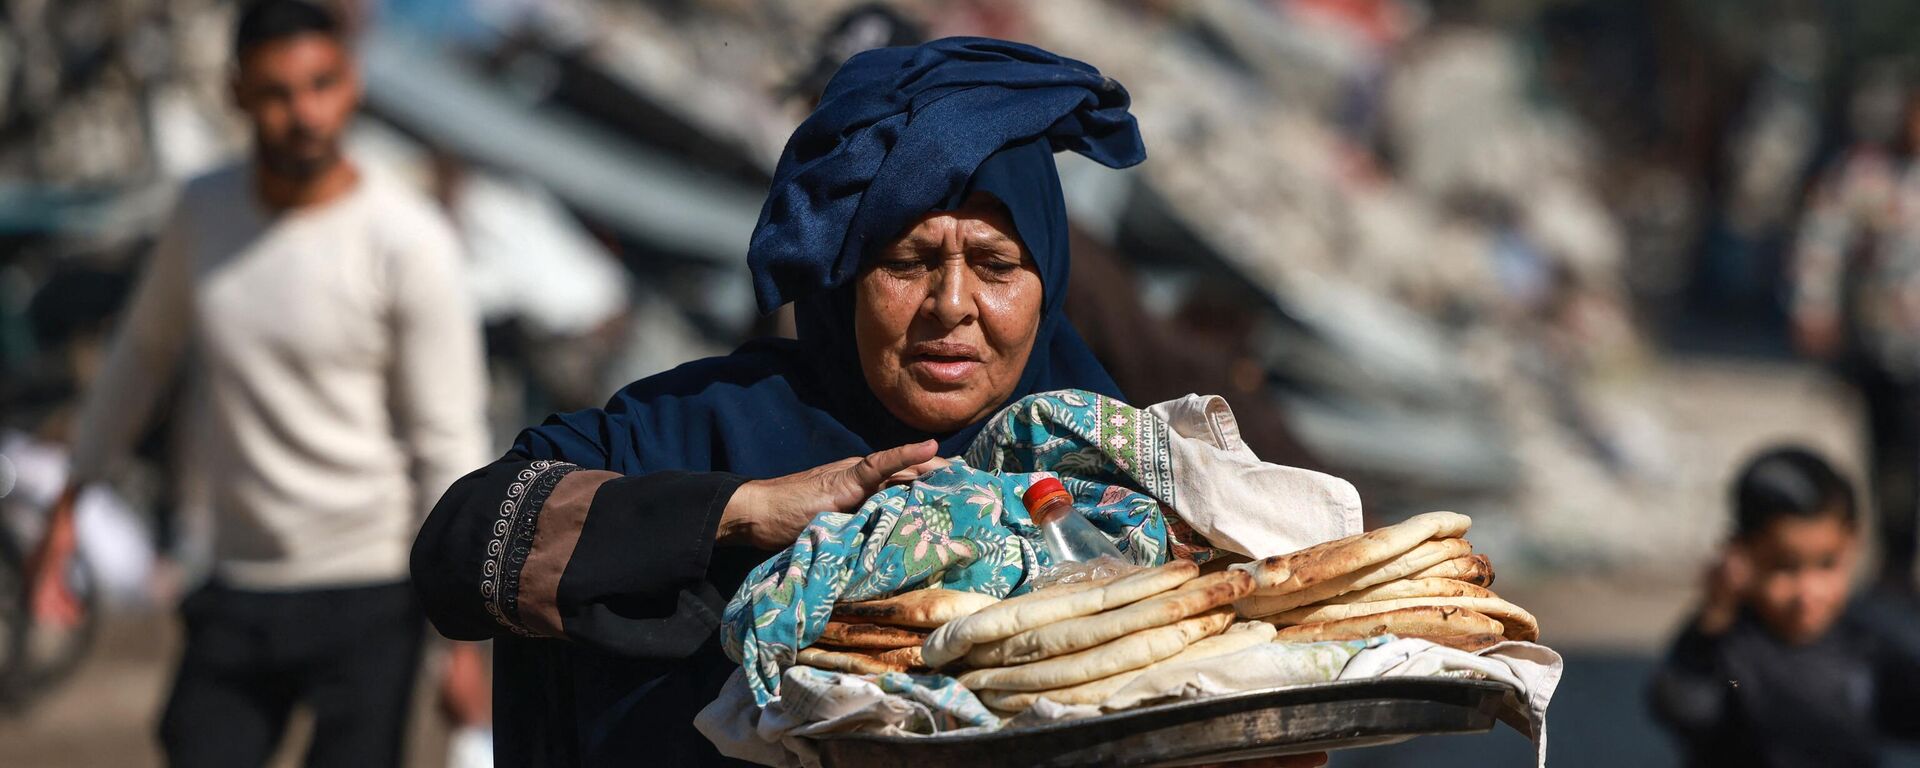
{"x":318,"y":311}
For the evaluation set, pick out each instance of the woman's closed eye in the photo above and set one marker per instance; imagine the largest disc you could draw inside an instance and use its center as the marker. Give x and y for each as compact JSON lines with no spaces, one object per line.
{"x":987,"y":263}
{"x":909,"y":262}
{"x":906,"y":266}
{"x":995,"y":266}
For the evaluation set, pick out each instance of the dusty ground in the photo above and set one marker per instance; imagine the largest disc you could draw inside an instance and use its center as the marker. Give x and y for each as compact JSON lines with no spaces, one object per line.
{"x":105,"y":714}
{"x":1715,"y":412}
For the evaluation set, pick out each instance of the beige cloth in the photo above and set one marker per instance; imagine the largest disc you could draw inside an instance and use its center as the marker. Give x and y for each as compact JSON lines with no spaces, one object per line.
{"x":1241,"y":503}
{"x":335,"y":374}
{"x":779,"y":734}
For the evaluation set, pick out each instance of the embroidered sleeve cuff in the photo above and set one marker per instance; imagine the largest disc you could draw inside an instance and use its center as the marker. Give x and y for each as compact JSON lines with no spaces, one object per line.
{"x":561,"y":519}
{"x":514,"y":534}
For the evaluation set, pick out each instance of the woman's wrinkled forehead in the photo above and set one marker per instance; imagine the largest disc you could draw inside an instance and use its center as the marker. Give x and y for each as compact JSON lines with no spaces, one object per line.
{"x":984,"y":220}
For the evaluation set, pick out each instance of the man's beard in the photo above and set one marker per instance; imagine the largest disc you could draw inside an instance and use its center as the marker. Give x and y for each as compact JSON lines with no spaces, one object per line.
{"x":287,"y":161}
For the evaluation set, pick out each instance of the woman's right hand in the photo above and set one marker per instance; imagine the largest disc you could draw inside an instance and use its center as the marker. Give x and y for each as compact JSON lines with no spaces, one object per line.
{"x":769,"y":514}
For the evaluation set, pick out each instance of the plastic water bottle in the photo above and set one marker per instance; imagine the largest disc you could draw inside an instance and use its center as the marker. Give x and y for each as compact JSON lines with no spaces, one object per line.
{"x":1070,"y":538}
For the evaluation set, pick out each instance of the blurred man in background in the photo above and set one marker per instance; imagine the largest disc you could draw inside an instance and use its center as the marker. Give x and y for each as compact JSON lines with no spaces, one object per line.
{"x":338,"y":382}
{"x":1856,"y":301}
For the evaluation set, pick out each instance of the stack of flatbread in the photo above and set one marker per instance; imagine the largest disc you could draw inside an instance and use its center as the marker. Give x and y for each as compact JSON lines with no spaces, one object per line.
{"x":885,"y":635}
{"x":1419,"y":578}
{"x":1078,"y":643}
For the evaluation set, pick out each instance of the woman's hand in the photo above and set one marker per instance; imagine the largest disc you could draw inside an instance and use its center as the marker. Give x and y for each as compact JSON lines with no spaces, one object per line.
{"x":769,"y":514}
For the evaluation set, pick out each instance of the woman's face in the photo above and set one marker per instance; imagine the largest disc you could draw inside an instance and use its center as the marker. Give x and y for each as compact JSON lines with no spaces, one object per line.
{"x":945,"y":316}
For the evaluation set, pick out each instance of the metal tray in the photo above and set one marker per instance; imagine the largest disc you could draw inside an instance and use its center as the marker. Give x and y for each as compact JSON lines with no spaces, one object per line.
{"x":1285,"y":721}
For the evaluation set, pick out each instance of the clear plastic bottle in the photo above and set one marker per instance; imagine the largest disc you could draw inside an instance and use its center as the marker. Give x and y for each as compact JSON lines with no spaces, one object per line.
{"x":1070,"y":538}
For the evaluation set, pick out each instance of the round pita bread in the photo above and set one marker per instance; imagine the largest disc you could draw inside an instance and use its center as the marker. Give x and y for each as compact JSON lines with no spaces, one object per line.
{"x":1472,"y":569}
{"x":1328,"y":560}
{"x":1201,"y":594}
{"x":921,"y":608}
{"x":1042,"y":607}
{"x":1131,"y":652}
{"x":1238,"y":637}
{"x":846,"y":661}
{"x":907,"y":657}
{"x":1468,"y":643}
{"x":1414,"y":560}
{"x":1404,"y":588}
{"x":1428,"y":621}
{"x":1519,"y":625}
{"x":878,"y":636}
{"x":857,"y":659}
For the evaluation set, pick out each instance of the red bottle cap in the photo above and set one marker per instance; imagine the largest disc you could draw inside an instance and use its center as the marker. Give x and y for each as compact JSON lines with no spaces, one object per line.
{"x":1045,"y":492}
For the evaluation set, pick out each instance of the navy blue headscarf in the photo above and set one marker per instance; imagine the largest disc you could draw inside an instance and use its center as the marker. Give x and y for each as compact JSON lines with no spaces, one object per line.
{"x":900,"y":132}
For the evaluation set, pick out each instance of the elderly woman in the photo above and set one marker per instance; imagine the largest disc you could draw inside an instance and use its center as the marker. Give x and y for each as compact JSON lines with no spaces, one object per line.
{"x":917,"y":224}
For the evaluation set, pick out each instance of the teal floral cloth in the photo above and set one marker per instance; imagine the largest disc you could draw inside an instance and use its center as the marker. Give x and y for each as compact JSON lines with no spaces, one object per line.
{"x":964,"y":527}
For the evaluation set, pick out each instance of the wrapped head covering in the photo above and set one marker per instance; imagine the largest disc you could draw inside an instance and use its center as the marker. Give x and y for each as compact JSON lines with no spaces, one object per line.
{"x":901,"y":131}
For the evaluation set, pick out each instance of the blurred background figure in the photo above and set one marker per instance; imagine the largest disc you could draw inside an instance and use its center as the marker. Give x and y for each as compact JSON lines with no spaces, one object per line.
{"x":1777,"y":669}
{"x":1856,"y":301}
{"x":336,"y":387}
{"x":1538,"y":261}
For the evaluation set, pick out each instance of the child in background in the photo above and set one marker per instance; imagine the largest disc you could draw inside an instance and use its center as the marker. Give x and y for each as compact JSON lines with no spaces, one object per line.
{"x":1777,"y":669}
